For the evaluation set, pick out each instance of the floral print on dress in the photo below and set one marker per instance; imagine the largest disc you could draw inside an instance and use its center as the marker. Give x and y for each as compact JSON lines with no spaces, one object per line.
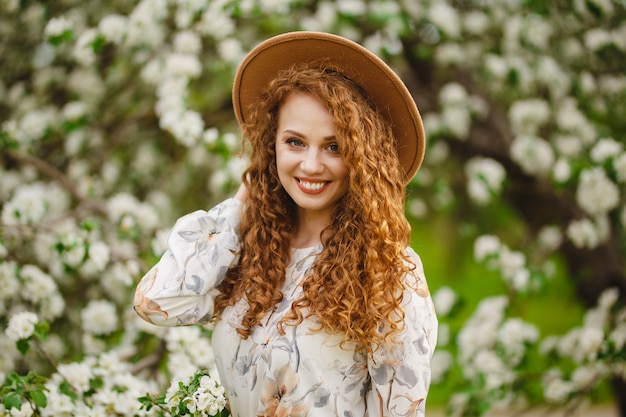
{"x":302,"y":372}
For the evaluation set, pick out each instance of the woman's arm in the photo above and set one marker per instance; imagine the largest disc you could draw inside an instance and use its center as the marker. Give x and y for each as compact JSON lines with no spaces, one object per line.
{"x":180,"y":288}
{"x":400,"y":373}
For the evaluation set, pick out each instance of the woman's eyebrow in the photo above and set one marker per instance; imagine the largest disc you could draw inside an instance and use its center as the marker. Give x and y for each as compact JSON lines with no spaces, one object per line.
{"x":295,"y":133}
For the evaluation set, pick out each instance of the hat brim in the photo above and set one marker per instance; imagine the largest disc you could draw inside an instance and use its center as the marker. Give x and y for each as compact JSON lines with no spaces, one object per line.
{"x":372,"y":74}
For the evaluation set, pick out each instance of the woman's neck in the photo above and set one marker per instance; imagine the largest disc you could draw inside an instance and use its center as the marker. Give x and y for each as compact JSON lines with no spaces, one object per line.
{"x":309,"y":230}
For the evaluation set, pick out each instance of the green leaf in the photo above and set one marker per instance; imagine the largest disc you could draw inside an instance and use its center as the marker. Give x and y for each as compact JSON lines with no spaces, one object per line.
{"x":41,"y":330}
{"x":67,"y":390}
{"x":13,"y":400}
{"x":96,"y":383}
{"x":23,"y":345}
{"x":39,"y":398}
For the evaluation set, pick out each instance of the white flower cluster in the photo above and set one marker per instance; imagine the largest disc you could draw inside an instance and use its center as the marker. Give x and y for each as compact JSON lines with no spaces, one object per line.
{"x":491,"y":346}
{"x":485,"y":177}
{"x":603,"y":333}
{"x":57,"y":26}
{"x":205,"y":401}
{"x":528,"y":116}
{"x":588,"y":233}
{"x":533,"y":154}
{"x":511,"y":264}
{"x":99,"y":317}
{"x":21,"y":326}
{"x":116,"y":392}
{"x":445,"y":299}
{"x":458,"y":109}
{"x":129,"y":213}
{"x":32,"y":203}
{"x":596,"y":193}
{"x":189,"y":349}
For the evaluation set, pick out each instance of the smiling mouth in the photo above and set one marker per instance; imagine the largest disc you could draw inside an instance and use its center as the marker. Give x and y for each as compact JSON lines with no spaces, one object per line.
{"x":312,"y":187}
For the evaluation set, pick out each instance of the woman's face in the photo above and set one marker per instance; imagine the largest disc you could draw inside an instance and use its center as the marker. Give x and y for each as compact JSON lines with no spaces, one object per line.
{"x":309,"y":164}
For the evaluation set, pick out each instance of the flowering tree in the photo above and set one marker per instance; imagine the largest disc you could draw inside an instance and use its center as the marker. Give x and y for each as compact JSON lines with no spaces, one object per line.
{"x":116,"y":119}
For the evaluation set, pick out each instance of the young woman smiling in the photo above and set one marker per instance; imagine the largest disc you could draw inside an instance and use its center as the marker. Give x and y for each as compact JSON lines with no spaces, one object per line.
{"x":320,"y":306}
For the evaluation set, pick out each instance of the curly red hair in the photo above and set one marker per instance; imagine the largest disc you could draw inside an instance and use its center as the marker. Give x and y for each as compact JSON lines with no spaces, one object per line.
{"x":357,"y":281}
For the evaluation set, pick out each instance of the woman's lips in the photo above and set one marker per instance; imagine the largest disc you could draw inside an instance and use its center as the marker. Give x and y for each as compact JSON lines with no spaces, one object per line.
{"x":312,"y":186}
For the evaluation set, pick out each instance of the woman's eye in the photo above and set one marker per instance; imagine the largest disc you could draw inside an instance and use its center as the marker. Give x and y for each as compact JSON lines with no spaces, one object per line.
{"x":333,"y":147}
{"x":295,"y":142}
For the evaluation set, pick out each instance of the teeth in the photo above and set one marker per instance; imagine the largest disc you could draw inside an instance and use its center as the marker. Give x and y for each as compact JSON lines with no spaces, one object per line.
{"x":312,"y":185}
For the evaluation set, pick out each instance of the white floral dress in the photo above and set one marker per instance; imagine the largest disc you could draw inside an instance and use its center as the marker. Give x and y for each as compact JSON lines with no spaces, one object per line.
{"x":300,"y":373}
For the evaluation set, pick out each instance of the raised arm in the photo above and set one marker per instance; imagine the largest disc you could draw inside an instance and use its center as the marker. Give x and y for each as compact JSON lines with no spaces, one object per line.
{"x":180,"y":289}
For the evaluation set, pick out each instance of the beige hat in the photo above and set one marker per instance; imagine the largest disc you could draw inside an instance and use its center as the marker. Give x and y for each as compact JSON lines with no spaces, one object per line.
{"x":371,"y":73}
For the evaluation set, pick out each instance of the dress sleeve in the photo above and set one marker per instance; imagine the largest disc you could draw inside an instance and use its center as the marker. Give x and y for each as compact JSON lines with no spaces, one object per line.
{"x":400,"y":373}
{"x":181,"y":288}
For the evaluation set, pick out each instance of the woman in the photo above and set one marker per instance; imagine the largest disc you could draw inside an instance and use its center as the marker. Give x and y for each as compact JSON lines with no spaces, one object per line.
{"x":321,"y":307}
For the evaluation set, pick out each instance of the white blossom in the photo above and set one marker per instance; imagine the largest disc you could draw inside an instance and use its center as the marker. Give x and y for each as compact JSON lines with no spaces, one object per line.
{"x":445,"y":18}
{"x":583,"y":234}
{"x":557,"y":390}
{"x":608,"y":298}
{"x":514,"y":333}
{"x":230,"y":50}
{"x":120,"y":204}
{"x":21,"y":325}
{"x":491,"y":366}
{"x":34,"y":125}
{"x":596,"y":193}
{"x":144,"y":23}
{"x":9,"y":285}
{"x":570,"y":119}
{"x":457,"y":120}
{"x":113,"y":27}
{"x":215,"y":23}
{"x":444,"y":299}
{"x":596,"y":39}
{"x":52,"y":307}
{"x":550,"y":73}
{"x":568,"y":145}
{"x":533,"y":154}
{"x":486,"y":246}
{"x":619,"y":165}
{"x":57,"y":26}
{"x":186,"y":126}
{"x":77,"y":375}
{"x":527,"y":116}
{"x":550,"y":238}
{"x":475,"y":22}
{"x":604,"y":149}
{"x":26,"y":410}
{"x":484,"y":178}
{"x":99,"y":317}
{"x":83,"y":49}
{"x":451,"y":53}
{"x":496,"y":65}
{"x":182,"y":65}
{"x":618,"y":336}
{"x":453,"y":94}
{"x":99,"y":254}
{"x":481,"y":329}
{"x":187,"y":42}
{"x":612,"y":84}
{"x":589,"y":343}
{"x":37,"y":285}
{"x":562,"y":171}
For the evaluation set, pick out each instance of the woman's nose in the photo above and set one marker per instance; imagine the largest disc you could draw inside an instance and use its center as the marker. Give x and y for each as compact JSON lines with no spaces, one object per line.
{"x":312,"y":162}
